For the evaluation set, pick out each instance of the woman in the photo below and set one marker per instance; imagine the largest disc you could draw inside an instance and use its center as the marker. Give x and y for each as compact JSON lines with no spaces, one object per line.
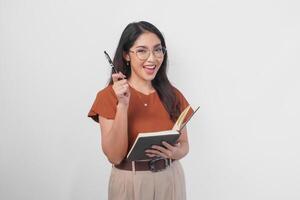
{"x":140,"y":98}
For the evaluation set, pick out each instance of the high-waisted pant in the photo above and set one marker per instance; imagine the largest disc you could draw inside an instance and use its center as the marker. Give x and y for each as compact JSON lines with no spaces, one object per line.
{"x":168,"y":184}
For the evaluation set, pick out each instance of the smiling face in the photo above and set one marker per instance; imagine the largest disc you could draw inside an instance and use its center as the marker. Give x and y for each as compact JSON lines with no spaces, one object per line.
{"x":145,"y":69}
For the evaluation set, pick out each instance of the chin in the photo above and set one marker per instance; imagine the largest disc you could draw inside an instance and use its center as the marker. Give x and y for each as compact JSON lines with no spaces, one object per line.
{"x":149,"y":78}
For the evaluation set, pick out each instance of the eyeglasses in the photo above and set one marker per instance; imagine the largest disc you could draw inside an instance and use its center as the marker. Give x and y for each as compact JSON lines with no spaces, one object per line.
{"x":144,"y":53}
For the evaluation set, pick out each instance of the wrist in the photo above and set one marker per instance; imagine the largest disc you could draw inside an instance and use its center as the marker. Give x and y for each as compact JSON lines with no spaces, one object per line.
{"x":122,"y":106}
{"x":182,"y":151}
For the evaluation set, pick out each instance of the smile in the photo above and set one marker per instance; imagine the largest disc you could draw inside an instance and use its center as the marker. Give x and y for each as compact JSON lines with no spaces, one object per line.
{"x":149,"y":69}
{"x":149,"y":66}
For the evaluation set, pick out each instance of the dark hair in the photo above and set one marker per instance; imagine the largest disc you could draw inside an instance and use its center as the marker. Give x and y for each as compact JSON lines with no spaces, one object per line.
{"x":161,"y":82}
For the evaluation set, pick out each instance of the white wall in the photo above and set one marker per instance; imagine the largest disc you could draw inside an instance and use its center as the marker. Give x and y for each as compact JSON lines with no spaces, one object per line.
{"x":239,"y":60}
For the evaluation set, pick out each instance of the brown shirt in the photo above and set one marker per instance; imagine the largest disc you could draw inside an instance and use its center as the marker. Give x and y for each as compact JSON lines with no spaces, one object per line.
{"x":141,"y":118}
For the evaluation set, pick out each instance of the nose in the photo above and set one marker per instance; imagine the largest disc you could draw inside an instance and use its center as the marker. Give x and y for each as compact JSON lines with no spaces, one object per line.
{"x":151,"y":56}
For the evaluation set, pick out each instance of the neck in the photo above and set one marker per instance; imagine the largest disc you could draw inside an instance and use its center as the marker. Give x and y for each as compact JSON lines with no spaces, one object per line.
{"x":141,"y":85}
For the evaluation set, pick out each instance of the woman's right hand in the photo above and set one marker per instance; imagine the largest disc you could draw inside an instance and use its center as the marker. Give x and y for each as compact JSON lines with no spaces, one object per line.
{"x":121,"y":88}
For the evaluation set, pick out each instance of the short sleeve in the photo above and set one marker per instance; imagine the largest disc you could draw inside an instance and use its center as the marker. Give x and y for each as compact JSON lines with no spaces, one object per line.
{"x":105,"y":104}
{"x":183,"y":103}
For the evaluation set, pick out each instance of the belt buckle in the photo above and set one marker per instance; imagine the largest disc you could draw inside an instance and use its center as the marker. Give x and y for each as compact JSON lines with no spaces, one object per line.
{"x":152,"y":164}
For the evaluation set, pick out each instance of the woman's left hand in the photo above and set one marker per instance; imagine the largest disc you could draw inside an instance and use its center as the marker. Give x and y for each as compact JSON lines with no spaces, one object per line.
{"x":165,"y":151}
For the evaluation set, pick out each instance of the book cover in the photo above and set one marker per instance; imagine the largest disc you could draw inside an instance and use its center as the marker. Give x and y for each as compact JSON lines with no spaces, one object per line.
{"x":146,"y":140}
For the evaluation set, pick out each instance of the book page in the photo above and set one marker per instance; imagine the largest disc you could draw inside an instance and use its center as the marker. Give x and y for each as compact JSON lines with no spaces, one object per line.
{"x":181,"y":118}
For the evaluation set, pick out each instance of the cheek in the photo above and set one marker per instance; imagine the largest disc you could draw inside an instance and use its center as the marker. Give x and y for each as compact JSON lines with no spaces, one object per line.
{"x":136,"y":64}
{"x":159,"y":63}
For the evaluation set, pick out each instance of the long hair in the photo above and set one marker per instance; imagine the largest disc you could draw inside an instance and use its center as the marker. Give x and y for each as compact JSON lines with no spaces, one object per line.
{"x":161,"y":83}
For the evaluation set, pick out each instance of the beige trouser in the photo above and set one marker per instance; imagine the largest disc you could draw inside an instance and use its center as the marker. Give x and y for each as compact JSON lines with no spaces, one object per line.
{"x":168,"y":184}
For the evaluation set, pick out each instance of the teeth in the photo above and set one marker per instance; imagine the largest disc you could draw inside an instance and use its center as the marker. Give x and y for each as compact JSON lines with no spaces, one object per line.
{"x":150,"y":67}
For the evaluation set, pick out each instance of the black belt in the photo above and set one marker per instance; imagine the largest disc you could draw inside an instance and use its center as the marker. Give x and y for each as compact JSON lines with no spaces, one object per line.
{"x":154,"y":165}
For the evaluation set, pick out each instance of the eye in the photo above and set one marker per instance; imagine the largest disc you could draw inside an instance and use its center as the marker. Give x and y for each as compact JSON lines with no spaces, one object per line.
{"x":158,"y":50}
{"x":141,"y":51}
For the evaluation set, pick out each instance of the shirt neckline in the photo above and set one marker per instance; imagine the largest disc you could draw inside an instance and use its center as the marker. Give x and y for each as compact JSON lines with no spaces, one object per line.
{"x":142,"y":92}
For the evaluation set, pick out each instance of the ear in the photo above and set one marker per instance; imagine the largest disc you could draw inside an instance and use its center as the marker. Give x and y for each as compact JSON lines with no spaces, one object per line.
{"x":126,"y":56}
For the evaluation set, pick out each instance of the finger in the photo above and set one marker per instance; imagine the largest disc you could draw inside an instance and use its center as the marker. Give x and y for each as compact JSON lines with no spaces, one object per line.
{"x":163,"y":150}
{"x":122,"y":82}
{"x":150,"y":155}
{"x":177,"y":144}
{"x":120,"y":85}
{"x":155,"y":153}
{"x":168,"y":146}
{"x":123,"y":76}
{"x":117,"y":76}
{"x":158,"y":153}
{"x":151,"y":151}
{"x":160,"y":148}
{"x":123,"y":93}
{"x":123,"y":89}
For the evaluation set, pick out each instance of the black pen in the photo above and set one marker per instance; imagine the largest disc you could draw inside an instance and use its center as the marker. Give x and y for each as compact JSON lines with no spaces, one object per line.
{"x":110,"y":62}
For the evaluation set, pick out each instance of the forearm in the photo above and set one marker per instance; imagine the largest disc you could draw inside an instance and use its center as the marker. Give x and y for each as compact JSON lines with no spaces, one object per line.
{"x":115,"y":143}
{"x":183,"y":149}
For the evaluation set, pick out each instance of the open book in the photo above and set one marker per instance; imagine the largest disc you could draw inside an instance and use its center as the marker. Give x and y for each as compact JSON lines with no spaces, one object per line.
{"x":146,"y":140}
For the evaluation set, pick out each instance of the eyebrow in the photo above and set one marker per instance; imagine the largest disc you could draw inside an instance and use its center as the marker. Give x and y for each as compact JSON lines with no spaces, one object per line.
{"x":147,"y":47}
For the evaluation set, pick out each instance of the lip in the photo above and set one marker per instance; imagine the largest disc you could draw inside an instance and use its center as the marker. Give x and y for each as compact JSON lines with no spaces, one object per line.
{"x":149,"y":69}
{"x":150,"y":66}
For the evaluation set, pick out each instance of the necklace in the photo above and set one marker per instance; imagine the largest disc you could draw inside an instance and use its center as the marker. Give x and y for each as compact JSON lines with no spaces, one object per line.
{"x":141,"y":99}
{"x":145,"y":103}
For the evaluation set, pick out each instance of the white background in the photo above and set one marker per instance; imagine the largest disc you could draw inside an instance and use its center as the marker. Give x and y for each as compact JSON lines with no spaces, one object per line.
{"x":238,"y":60}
